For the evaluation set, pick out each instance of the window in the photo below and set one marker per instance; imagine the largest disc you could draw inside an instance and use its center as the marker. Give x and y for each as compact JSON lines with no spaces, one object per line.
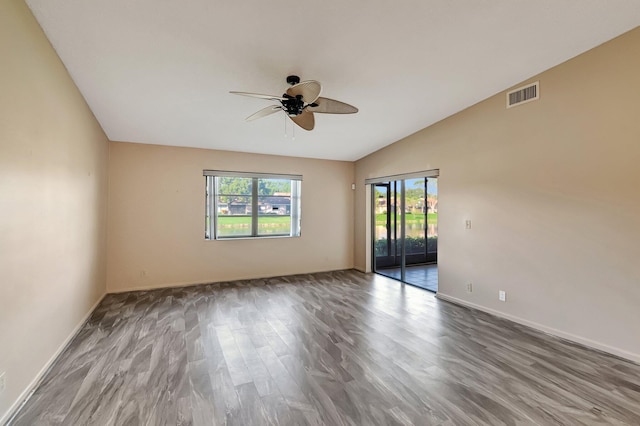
{"x":251,"y":205}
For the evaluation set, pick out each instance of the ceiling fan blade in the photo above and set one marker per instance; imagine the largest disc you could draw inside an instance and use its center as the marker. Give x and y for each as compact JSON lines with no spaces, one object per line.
{"x":264,"y":112}
{"x":331,"y":106}
{"x":305,"y":120}
{"x":260,"y":96}
{"x":310,"y":90}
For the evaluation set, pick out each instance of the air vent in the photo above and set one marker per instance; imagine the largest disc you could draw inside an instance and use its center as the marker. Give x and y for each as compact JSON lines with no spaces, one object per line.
{"x":524,"y":94}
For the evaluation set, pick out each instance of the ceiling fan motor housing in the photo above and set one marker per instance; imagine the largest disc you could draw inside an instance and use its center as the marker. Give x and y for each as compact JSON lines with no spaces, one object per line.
{"x":293,"y":105}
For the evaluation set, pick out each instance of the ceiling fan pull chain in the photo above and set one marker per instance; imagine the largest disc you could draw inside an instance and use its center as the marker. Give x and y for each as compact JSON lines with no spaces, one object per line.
{"x":285,"y":126}
{"x":293,"y":133}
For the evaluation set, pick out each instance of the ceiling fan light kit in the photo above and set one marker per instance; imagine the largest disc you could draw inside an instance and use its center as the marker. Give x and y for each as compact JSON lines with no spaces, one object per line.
{"x":300,"y":102}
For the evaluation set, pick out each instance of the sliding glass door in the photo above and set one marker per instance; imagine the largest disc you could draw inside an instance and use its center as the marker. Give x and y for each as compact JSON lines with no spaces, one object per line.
{"x":405,"y":230}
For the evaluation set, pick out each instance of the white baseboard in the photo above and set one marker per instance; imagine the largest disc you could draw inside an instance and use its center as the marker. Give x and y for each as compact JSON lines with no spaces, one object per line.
{"x":633,"y":357}
{"x":24,"y":396}
{"x":204,"y":282}
{"x":160,"y":286}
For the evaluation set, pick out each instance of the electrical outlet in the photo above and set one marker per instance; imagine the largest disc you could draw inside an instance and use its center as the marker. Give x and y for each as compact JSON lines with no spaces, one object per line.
{"x":3,"y":381}
{"x":467,"y":224}
{"x":502,"y":296}
{"x":469,"y":288}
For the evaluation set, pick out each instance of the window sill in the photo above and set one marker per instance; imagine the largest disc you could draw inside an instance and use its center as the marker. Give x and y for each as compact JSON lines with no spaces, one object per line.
{"x":267,"y":237}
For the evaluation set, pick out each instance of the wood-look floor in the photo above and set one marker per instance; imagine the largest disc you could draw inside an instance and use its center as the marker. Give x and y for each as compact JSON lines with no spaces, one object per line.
{"x":340,"y":348}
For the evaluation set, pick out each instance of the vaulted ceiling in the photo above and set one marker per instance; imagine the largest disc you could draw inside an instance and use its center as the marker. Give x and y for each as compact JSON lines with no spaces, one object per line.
{"x":160,"y":71}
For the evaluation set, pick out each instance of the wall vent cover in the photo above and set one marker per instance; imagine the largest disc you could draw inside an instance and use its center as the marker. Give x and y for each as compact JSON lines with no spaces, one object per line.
{"x":522,"y":95}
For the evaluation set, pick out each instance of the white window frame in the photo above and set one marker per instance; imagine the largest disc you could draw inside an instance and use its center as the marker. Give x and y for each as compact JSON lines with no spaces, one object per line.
{"x":211,"y":203}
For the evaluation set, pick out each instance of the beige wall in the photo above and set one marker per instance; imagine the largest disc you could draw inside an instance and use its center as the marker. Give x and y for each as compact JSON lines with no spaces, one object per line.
{"x":53,"y":177}
{"x":156,"y":219}
{"x":553,"y":191}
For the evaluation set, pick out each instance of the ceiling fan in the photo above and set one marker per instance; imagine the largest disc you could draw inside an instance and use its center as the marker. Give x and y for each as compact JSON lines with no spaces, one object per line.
{"x":299,"y":102}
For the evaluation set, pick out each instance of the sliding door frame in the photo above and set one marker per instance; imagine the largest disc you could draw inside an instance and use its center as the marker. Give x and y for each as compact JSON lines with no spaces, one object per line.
{"x":389,"y":181}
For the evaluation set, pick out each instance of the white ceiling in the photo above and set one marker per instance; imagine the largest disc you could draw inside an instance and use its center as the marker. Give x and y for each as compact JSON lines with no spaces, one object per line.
{"x":159,"y":71}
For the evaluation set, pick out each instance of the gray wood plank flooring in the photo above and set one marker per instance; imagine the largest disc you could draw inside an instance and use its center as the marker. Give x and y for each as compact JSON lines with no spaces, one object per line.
{"x":338,"y":348}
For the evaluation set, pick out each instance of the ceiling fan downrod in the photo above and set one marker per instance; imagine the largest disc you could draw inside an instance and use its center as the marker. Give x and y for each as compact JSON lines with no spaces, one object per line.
{"x":293,"y":105}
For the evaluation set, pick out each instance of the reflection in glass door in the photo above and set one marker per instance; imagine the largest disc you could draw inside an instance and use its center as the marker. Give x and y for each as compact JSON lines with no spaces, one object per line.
{"x":386,"y":225}
{"x":406,"y":230}
{"x":431,"y":211}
